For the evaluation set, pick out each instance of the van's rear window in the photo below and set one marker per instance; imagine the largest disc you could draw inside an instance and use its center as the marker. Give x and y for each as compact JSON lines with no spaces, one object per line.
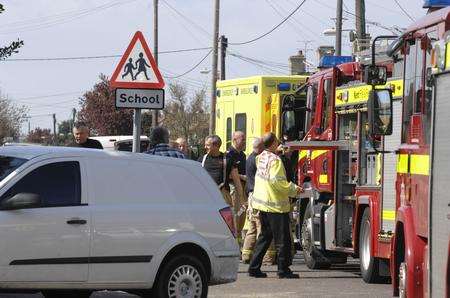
{"x":8,"y":164}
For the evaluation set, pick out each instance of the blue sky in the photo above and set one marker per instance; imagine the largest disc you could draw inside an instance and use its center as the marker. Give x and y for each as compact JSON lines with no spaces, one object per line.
{"x":73,"y":28}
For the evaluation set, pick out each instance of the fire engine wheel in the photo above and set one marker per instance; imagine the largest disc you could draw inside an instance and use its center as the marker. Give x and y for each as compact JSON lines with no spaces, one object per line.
{"x":314,"y":257}
{"x":368,"y":263}
{"x":402,"y":280}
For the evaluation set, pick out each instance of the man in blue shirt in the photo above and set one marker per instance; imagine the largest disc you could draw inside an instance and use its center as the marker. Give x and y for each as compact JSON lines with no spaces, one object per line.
{"x":159,"y":142}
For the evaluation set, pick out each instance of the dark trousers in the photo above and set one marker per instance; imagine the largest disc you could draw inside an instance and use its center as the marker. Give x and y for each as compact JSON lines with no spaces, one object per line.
{"x":273,"y":226}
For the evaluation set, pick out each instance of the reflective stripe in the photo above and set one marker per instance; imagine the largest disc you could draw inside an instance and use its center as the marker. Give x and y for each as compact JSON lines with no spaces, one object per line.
{"x":271,"y":204}
{"x":402,"y":164}
{"x":317,"y":153}
{"x":420,"y":164}
{"x":388,"y":215}
{"x":303,"y":154}
{"x":323,"y":179}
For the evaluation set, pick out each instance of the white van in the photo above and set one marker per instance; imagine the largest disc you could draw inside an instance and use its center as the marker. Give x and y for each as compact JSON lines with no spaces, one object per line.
{"x":121,"y":143}
{"x":73,"y":218}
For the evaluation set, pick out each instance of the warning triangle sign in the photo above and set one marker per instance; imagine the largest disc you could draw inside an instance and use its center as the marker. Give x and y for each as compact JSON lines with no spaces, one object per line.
{"x":137,"y":67}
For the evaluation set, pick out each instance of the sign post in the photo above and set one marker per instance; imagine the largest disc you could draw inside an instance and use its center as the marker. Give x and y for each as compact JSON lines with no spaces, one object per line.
{"x":138,"y":82}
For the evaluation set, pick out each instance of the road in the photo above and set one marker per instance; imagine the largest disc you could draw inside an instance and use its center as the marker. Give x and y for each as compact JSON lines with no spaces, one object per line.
{"x":339,"y":281}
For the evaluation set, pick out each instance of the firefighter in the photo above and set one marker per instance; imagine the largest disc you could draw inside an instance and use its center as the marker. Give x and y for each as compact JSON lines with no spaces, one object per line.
{"x":271,"y":197}
{"x":252,"y":224}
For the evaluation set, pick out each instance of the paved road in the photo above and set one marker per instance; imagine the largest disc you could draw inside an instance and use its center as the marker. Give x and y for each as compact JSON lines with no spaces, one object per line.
{"x":339,"y":281}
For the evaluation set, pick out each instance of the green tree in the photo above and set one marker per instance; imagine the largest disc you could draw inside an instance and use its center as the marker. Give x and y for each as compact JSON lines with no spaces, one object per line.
{"x":186,"y":116}
{"x":13,"y":47}
{"x":11,"y":119}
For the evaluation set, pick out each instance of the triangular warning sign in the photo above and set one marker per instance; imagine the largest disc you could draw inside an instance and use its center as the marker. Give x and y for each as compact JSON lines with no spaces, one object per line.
{"x":137,"y":68}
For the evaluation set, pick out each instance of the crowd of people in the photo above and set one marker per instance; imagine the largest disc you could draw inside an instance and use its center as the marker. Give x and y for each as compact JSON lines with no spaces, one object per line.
{"x":258,"y":189}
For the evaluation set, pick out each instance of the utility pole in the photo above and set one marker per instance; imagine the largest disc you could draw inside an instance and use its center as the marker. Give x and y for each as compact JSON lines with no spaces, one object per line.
{"x":360,"y":15}
{"x":29,"y":126}
{"x":338,"y":46}
{"x":212,"y":118}
{"x":54,"y":129}
{"x":223,"y":54}
{"x":155,"y":54}
{"x":74,"y":113}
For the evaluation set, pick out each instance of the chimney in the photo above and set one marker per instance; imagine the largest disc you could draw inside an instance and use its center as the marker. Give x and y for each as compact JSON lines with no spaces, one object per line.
{"x":297,"y":64}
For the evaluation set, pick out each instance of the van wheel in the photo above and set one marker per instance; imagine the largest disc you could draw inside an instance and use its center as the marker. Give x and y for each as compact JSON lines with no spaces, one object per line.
{"x":66,"y":294}
{"x":368,"y":263}
{"x":182,"y":276}
{"x":314,"y":258}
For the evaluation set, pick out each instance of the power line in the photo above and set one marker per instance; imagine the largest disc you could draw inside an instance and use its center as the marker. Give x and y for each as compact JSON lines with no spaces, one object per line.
{"x":191,"y":69}
{"x":97,"y":57}
{"x":404,"y":11}
{"x":57,"y":19}
{"x":271,"y":30}
{"x":26,"y":99}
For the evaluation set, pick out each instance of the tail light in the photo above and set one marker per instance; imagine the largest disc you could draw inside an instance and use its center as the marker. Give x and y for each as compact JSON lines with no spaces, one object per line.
{"x":227,"y":216}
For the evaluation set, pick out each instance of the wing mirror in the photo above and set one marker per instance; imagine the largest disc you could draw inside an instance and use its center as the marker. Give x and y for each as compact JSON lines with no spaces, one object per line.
{"x":375,"y":75}
{"x":21,"y":200}
{"x":379,"y":108}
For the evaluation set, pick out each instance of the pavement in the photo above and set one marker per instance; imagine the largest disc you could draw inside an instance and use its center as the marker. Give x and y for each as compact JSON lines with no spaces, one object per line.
{"x":339,"y":281}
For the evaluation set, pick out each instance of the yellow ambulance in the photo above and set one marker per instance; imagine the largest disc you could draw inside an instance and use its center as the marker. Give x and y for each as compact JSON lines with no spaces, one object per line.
{"x":260,"y":104}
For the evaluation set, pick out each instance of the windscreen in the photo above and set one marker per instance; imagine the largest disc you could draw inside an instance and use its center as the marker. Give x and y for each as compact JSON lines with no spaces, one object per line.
{"x":8,"y":164}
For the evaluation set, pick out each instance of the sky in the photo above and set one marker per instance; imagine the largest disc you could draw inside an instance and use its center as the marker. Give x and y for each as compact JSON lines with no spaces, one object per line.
{"x":92,"y":28}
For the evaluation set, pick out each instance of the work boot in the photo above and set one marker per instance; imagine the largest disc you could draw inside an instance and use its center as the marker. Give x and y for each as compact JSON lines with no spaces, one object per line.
{"x":288,"y":274}
{"x":257,"y":274}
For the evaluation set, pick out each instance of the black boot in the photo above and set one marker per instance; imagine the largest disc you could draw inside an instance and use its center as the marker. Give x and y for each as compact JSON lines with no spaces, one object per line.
{"x":257,"y":274}
{"x":288,"y":274}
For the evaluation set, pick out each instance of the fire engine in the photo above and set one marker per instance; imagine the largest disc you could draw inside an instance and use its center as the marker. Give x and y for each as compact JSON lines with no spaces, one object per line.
{"x":351,"y":212}
{"x":369,"y":166}
{"x":259,"y":104}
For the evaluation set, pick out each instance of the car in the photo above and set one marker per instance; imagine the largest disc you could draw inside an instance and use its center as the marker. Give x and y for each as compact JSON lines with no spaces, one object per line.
{"x":82,"y":220}
{"x":121,"y":143}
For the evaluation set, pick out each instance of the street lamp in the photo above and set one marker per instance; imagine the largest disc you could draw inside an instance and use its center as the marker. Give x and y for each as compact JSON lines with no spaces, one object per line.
{"x":332,"y":31}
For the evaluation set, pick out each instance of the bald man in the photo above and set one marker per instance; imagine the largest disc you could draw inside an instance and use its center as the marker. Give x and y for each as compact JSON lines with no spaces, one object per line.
{"x":236,"y":151}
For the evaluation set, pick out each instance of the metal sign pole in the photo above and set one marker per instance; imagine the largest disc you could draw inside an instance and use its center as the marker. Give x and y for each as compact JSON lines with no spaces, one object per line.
{"x":137,"y":131}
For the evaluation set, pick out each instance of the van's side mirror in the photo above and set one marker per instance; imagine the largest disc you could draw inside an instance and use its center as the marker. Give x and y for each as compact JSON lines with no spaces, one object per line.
{"x":21,"y":200}
{"x":379,"y":109}
{"x":375,"y":75}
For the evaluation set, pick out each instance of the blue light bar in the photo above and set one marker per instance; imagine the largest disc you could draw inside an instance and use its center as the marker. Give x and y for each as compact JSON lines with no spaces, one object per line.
{"x":436,"y":3}
{"x":332,"y":61}
{"x":284,"y":87}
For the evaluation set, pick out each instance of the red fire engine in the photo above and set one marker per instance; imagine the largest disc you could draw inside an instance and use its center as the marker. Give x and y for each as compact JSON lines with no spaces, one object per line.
{"x":368,"y":165}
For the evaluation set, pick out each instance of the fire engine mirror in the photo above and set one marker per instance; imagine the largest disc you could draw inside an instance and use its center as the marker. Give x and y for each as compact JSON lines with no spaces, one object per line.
{"x":379,"y":108}
{"x":289,"y":126}
{"x":375,"y":75}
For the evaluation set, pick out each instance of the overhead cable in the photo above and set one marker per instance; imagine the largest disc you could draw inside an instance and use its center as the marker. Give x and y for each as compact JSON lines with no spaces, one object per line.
{"x":191,"y":69}
{"x":271,"y":30}
{"x":404,"y":11}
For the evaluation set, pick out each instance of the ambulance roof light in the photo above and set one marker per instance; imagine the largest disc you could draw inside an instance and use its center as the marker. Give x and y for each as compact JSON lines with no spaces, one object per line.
{"x":436,"y":3}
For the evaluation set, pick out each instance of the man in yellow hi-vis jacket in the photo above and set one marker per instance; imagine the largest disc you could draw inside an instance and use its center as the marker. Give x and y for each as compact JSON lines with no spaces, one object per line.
{"x":271,"y":197}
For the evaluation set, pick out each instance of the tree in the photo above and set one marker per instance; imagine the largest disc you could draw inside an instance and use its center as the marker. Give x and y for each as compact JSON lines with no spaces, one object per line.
{"x":65,"y":127}
{"x":100,"y":114}
{"x":40,"y":136}
{"x":12,"y":48}
{"x":11,"y":118}
{"x":186,"y":117}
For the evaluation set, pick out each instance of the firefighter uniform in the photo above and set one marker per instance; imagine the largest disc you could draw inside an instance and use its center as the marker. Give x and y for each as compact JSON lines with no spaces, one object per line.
{"x":271,"y":197}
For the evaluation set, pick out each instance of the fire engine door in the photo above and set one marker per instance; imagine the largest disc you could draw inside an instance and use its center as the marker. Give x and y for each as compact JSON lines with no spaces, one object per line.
{"x":323,"y":159}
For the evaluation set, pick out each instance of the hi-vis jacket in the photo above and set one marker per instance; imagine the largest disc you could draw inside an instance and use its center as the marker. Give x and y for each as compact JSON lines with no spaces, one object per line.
{"x":272,"y":190}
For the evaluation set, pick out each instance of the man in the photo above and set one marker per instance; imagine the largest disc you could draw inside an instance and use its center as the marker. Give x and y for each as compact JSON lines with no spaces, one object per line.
{"x":159,"y":140}
{"x":81,"y":136}
{"x":183,"y":147}
{"x":271,"y":197}
{"x":221,"y":170}
{"x":236,"y":152}
{"x":237,"y":156}
{"x":252,"y":222}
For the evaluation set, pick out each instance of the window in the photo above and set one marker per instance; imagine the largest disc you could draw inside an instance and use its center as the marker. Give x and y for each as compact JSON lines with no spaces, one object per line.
{"x":312,"y":99}
{"x":8,"y":164}
{"x":57,"y":184}
{"x":241,"y":123}
{"x":431,"y":37}
{"x":229,"y":132}
{"x":325,"y":102}
{"x":409,"y":74}
{"x":419,"y":82}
